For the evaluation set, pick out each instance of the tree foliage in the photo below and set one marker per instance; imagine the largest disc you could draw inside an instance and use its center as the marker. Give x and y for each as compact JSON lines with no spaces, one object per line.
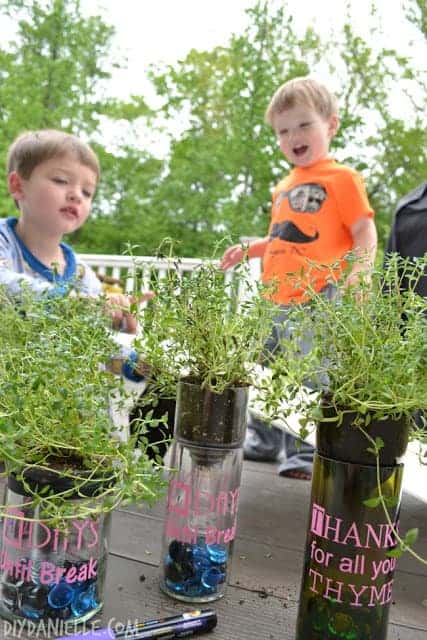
{"x":54,"y":73}
{"x":49,"y":74}
{"x":223,"y":161}
{"x":223,"y":165}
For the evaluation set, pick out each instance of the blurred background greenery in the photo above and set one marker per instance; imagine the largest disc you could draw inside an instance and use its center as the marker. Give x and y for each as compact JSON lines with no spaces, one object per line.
{"x":215,"y":179}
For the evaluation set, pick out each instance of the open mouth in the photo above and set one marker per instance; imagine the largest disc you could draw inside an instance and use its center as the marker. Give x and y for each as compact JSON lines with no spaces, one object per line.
{"x":70,"y":211}
{"x":299,"y":151}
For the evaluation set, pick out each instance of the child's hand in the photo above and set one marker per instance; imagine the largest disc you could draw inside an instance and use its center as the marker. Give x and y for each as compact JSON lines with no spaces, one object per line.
{"x":232,"y":256}
{"x":119,"y":306}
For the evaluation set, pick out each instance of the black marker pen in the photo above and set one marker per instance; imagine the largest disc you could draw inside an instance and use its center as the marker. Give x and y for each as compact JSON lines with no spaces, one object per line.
{"x":182,"y":626}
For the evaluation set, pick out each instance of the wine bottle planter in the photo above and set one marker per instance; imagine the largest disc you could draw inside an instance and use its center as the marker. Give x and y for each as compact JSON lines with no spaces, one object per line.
{"x":49,"y":573}
{"x":204,"y":486}
{"x":348,"y":443}
{"x":348,"y":577}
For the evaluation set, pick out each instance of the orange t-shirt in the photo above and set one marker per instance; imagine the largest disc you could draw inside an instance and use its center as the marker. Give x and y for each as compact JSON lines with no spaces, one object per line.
{"x":313,"y":210}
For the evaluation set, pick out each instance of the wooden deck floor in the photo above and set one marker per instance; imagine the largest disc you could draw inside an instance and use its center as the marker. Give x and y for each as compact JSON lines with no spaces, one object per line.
{"x":261,"y":600}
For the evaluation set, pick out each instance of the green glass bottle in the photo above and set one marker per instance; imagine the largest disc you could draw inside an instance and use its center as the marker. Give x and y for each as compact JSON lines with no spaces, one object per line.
{"x":348,"y":577}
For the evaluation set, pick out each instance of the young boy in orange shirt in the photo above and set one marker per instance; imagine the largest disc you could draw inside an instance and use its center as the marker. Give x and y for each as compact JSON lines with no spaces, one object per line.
{"x":320,"y":213}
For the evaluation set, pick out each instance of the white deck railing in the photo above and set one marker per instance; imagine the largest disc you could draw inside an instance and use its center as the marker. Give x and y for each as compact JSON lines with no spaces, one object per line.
{"x":137,"y":272}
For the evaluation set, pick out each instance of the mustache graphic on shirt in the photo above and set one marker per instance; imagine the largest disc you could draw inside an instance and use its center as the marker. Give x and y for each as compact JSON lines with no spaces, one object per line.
{"x":289,"y":232}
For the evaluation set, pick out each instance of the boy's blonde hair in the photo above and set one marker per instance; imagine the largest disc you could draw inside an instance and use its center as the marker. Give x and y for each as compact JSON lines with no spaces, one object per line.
{"x":31,"y":148}
{"x":302,"y":91}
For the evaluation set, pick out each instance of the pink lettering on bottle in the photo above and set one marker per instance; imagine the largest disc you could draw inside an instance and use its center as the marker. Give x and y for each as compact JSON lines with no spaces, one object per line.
{"x":234,"y":495}
{"x":203,"y":503}
{"x":13,"y":529}
{"x":366,"y":535}
{"x":230,"y":534}
{"x":333,"y":590}
{"x":357,"y":594}
{"x":389,"y":536}
{"x":332,"y":528}
{"x":47,"y":573}
{"x":317,"y":518}
{"x":81,"y":526}
{"x":221,"y":503}
{"x":383,"y":596}
{"x":315,"y":575}
{"x":352,"y":534}
{"x":179,"y":498}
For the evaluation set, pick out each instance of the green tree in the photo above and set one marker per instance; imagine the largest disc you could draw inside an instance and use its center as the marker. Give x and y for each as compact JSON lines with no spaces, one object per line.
{"x":388,"y":149}
{"x":51,"y":72}
{"x":124,"y":210}
{"x":55,"y":73}
{"x":223,"y":163}
{"x":417,"y":14}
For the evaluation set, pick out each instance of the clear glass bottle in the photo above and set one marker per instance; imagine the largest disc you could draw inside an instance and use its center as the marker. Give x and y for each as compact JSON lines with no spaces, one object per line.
{"x":46,"y":573}
{"x":204,"y":486}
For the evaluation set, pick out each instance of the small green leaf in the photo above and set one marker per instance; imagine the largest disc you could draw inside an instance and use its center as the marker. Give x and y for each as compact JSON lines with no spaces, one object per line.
{"x":379,"y":443}
{"x":391,"y":501}
{"x":372,"y":502}
{"x":411,"y":536}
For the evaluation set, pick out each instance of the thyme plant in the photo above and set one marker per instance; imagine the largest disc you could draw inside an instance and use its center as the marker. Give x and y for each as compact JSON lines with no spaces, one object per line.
{"x":54,"y":408}
{"x":368,"y":352}
{"x":368,"y":358}
{"x":196,"y":327}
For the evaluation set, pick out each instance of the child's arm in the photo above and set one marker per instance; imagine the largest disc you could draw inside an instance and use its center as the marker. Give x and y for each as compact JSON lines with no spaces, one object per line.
{"x":119,"y":308}
{"x":237,"y":252}
{"x":364,"y":235}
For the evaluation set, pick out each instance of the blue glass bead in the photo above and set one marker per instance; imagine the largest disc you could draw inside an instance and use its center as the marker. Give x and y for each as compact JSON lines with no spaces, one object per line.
{"x":212,"y":577}
{"x":201,"y":560}
{"x":200,"y":551}
{"x":217,"y":553}
{"x":32,"y":601}
{"x":192,"y":588}
{"x":84,"y":601}
{"x":201,"y":566}
{"x":60,"y":595}
{"x":30,"y":612}
{"x":177,"y":587}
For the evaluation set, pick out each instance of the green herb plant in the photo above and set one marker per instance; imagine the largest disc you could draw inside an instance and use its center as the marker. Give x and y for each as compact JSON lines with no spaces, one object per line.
{"x":368,"y":357}
{"x":197,"y":327}
{"x":54,"y":408}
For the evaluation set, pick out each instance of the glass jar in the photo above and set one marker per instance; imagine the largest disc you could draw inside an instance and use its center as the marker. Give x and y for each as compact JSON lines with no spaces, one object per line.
{"x":204,"y":487}
{"x":46,"y":573}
